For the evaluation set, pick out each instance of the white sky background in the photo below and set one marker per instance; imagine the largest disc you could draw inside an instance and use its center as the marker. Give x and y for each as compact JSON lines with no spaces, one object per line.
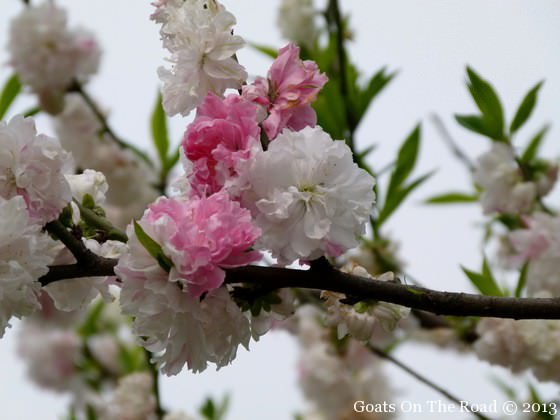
{"x":513,"y":43}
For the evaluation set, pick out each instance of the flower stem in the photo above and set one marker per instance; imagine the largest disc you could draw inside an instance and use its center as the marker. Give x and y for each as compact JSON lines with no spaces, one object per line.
{"x":101,"y":223}
{"x":105,"y":127}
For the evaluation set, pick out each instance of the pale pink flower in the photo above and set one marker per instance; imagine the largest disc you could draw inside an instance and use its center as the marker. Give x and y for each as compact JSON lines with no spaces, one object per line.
{"x":26,"y":253}
{"x":219,"y":143}
{"x":51,"y":355}
{"x":132,"y":399}
{"x":202,"y":237}
{"x":539,"y":245}
{"x":520,"y":345}
{"x":47,"y":55}
{"x":33,"y":166}
{"x":287,"y":92}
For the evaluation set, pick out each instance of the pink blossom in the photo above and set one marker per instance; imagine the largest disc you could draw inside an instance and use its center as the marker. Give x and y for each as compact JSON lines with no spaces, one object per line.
{"x":219,"y":142}
{"x":202,"y":237}
{"x":287,"y":93}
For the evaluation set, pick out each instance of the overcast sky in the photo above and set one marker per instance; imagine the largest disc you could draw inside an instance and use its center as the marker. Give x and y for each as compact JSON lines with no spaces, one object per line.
{"x":513,"y":43}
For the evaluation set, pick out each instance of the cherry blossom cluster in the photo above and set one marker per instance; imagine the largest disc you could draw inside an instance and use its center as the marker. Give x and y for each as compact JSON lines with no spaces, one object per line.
{"x":259,"y":176}
{"x":36,"y":185}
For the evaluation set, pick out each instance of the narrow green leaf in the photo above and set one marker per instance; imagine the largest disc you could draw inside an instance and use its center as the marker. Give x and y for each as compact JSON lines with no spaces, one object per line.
{"x":153,"y":248}
{"x":484,"y":284}
{"x":374,"y":87}
{"x":393,"y":201}
{"x":32,"y":111}
{"x":11,"y":90}
{"x":89,"y":327}
{"x":530,"y":152}
{"x":477,"y":124}
{"x":366,"y":151}
{"x":222,"y":409}
{"x":159,"y":131}
{"x":487,"y":101}
{"x":525,"y":109}
{"x":172,"y":160}
{"x":330,"y":110}
{"x":522,"y":280}
{"x":406,"y":160}
{"x":453,"y":198}
{"x":208,"y":410}
{"x":270,"y":51}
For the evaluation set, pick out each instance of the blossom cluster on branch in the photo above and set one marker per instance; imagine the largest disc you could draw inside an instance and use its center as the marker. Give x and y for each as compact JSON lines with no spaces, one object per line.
{"x":269,"y":185}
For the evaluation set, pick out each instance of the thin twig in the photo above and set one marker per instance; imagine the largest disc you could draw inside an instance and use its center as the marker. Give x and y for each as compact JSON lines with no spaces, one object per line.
{"x":105,"y":127}
{"x":451,"y":143}
{"x":384,"y":355}
{"x":160,"y":412}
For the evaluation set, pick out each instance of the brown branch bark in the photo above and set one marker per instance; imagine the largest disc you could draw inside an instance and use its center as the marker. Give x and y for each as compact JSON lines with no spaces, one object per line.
{"x":327,"y":278}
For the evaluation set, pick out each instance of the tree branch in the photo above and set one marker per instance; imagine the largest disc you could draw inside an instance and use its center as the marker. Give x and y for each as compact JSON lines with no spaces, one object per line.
{"x":440,"y":303}
{"x":98,"y":267}
{"x":384,"y":355}
{"x":328,"y":278}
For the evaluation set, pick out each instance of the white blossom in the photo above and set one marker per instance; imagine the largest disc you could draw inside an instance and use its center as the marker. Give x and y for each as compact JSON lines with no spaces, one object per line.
{"x":47,"y":55}
{"x":33,"y":166}
{"x":333,"y":383}
{"x":296,"y":19}
{"x":25,"y":253}
{"x":539,"y":245}
{"x":88,"y":182}
{"x":199,"y":36}
{"x":130,"y":180}
{"x":504,"y":190}
{"x":133,"y":399}
{"x":105,"y":350}
{"x":51,"y":355}
{"x":521,"y":345}
{"x":78,"y":130}
{"x":360,"y":323}
{"x":311,"y":198}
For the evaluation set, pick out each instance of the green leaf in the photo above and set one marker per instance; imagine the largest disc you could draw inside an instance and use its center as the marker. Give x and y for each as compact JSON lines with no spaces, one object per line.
{"x":393,"y":201}
{"x":172,"y":160}
{"x":488,"y":102}
{"x":330,"y":110}
{"x":88,"y":202}
{"x":373,"y":88}
{"x":453,"y":198}
{"x":477,"y":124}
{"x":32,"y":111}
{"x":89,"y":327}
{"x":211,"y":411}
{"x":11,"y":90}
{"x":406,"y":160}
{"x":532,"y":148}
{"x":525,"y":109}
{"x":484,"y":283}
{"x":153,"y":248}
{"x":208,"y":410}
{"x":270,"y":51}
{"x":159,"y":131}
{"x":522,"y":280}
